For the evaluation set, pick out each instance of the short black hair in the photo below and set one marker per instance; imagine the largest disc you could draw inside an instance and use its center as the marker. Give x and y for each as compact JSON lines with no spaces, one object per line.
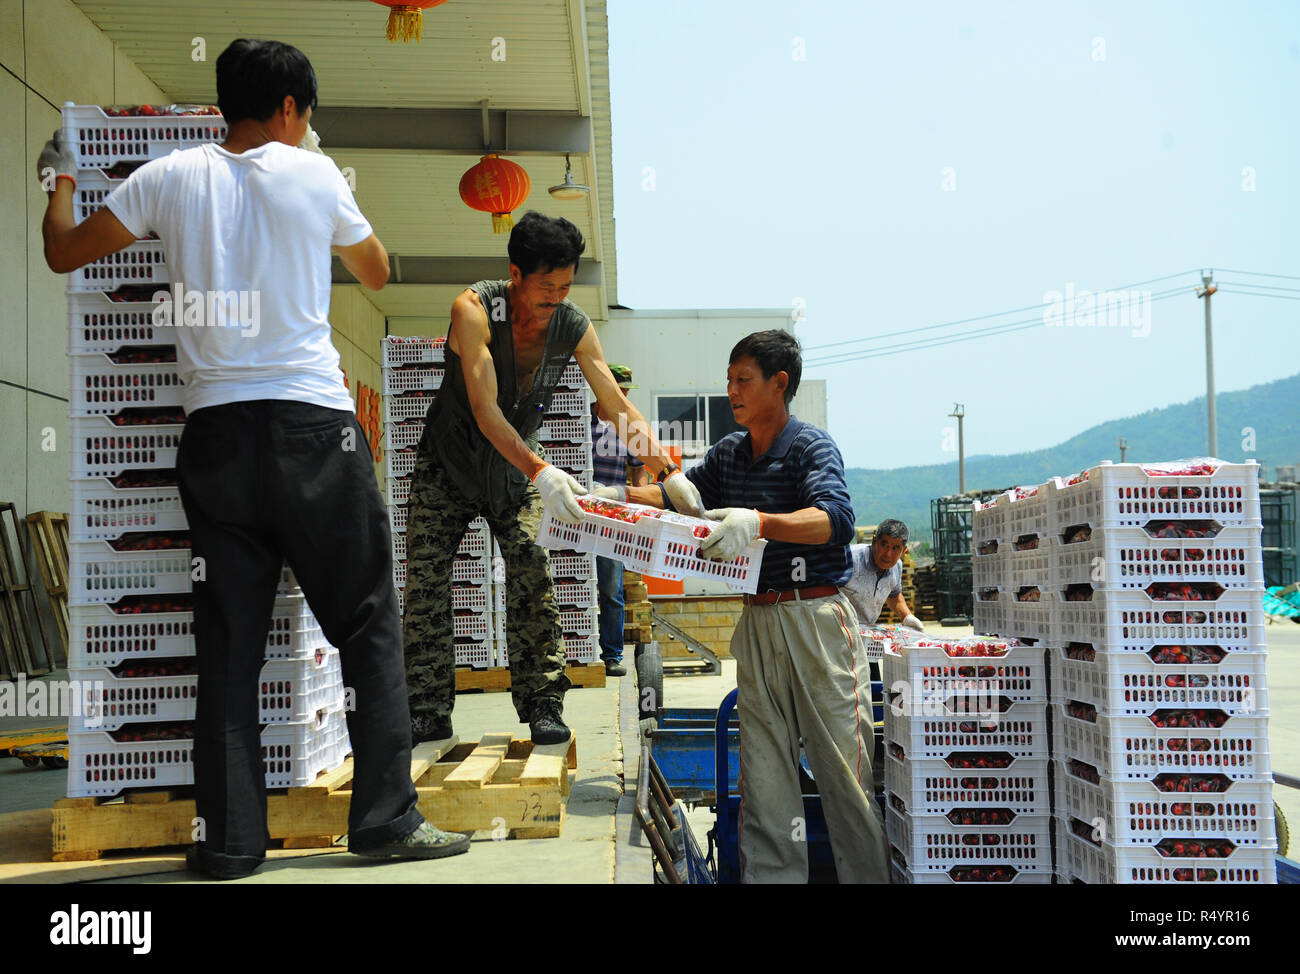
{"x":892,"y":528}
{"x":544,"y":243}
{"x":253,"y":78}
{"x":775,"y":351}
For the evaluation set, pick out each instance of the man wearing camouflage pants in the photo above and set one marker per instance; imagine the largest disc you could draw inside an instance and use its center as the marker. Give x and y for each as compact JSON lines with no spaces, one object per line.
{"x":508,"y":345}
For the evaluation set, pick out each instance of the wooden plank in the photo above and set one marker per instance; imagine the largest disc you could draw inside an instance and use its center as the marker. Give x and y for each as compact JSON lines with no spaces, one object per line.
{"x":586,"y":675}
{"x":476,"y":771}
{"x":325,"y":782}
{"x":547,"y":765}
{"x":497,"y":679}
{"x":308,"y":841}
{"x":20,"y":588}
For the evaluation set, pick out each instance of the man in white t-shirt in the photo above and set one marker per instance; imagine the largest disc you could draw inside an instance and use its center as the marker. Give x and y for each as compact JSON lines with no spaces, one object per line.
{"x":877,"y":579}
{"x":273,"y":465}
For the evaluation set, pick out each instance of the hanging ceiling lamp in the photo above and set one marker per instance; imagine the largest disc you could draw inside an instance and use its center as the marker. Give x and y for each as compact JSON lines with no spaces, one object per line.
{"x":406,"y":18}
{"x":495,"y":186}
{"x":569,"y":190}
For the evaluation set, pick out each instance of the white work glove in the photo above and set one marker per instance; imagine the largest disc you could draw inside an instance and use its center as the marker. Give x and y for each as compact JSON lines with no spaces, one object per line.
{"x":739,"y":527}
{"x":614,"y":493}
{"x":56,"y":159}
{"x":560,"y":493}
{"x":310,"y":141}
{"x":912,"y":622}
{"x":684,"y":495}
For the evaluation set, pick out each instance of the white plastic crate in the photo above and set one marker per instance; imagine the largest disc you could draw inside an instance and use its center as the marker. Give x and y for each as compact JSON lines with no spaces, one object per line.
{"x":97,"y":387}
{"x":397,"y":517}
{"x":406,"y":407}
{"x":570,"y":402}
{"x":101,"y":449}
{"x":99,"y":140}
{"x":1115,"y":495}
{"x":101,"y":511}
{"x":1032,"y":620}
{"x":579,"y":622}
{"x":479,"y":655}
{"x":399,"y":463}
{"x":477,"y":598}
{"x":477,"y":626}
{"x":1109,"y":864}
{"x":565,"y":429}
{"x":400,"y":351}
{"x":572,"y":564}
{"x":932,"y":677}
{"x":989,"y":571}
{"x":971,"y":875}
{"x":1137,"y":813}
{"x":296,"y":690}
{"x":572,"y":377}
{"x":401,"y":436}
{"x":99,"y":766}
{"x":1132,"y":684}
{"x":930,"y":787}
{"x":989,"y":522}
{"x":931,"y":843}
{"x":413,"y":378}
{"x":581,"y":649}
{"x":581,"y":593}
{"x":1129,"y":558}
{"x":989,"y":615}
{"x":1021,"y":731}
{"x":1115,"y":618}
{"x":142,"y":262}
{"x":464,"y":568}
{"x":661,"y":544}
{"x":295,"y":754}
{"x":1029,"y":512}
{"x":93,"y":185}
{"x":1135,"y":749}
{"x":568,"y":456}
{"x":99,"y":636}
{"x":97,"y":325}
{"x":97,"y":573}
{"x":398,"y":491}
{"x":1030,"y":568}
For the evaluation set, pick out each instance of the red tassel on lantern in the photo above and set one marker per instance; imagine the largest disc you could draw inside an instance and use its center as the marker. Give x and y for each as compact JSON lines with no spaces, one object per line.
{"x":406,"y":18}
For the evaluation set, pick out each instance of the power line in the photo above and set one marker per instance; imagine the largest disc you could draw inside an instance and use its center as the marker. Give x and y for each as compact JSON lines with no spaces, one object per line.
{"x":1289,"y":277}
{"x":1260,"y":294}
{"x":966,"y":321}
{"x":1001,"y":329}
{"x":1263,"y":287}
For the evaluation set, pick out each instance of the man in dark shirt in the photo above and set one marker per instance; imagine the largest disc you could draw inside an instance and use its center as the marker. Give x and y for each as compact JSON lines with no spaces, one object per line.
{"x":800,"y":662}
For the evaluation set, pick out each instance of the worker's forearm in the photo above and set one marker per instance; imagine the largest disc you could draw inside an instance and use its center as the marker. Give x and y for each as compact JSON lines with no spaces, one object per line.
{"x":640,"y":476}
{"x":641,"y":441}
{"x":811,"y":525}
{"x":507,"y":440}
{"x":898,"y":606}
{"x":650,"y":496}
{"x":58,"y":222}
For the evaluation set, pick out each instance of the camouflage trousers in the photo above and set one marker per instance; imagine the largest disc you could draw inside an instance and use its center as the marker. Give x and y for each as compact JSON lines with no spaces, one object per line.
{"x":436,"y":522}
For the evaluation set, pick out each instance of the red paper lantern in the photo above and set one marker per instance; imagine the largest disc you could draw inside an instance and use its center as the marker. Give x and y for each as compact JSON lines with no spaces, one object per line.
{"x":495,"y":186}
{"x":406,"y":18}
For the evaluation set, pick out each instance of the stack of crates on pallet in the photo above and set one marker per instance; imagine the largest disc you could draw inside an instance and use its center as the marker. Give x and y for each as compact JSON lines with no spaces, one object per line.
{"x":1159,"y":697}
{"x":131,"y":654}
{"x":967,"y":792}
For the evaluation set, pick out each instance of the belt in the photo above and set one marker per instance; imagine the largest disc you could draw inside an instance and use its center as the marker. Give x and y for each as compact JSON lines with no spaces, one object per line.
{"x":811,"y":592}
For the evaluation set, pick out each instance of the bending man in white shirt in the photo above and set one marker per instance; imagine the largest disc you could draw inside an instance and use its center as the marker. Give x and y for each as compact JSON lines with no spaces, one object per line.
{"x":878,"y":576}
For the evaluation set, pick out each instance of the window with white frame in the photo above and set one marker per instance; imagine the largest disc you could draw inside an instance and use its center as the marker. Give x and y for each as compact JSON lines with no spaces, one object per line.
{"x":693,"y":422}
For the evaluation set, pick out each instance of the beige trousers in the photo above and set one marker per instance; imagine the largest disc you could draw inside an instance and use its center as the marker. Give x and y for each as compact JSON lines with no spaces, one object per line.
{"x":802,"y":670}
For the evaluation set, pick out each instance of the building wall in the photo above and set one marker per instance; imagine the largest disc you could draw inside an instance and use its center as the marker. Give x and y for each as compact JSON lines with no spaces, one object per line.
{"x":51,"y":53}
{"x":358,"y":333}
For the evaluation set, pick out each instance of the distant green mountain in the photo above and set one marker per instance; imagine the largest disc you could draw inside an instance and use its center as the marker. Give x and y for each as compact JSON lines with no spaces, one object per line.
{"x":1272,"y":410}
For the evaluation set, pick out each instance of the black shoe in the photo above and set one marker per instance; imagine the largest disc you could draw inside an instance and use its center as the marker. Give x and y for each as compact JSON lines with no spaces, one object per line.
{"x":224,"y":867}
{"x":614,"y":667}
{"x":425,"y":728}
{"x":547,"y":726}
{"x":425,"y":842}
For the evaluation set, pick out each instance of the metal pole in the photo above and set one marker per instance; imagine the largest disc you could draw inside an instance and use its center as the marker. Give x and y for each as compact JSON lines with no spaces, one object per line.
{"x":959,"y":413}
{"x":1207,"y":279}
{"x":1123,"y":449}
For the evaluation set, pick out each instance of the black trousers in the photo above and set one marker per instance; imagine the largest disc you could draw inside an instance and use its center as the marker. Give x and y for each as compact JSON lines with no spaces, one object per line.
{"x":264,"y":482}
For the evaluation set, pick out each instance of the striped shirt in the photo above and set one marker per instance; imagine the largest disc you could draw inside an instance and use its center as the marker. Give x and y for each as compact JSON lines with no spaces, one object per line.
{"x":803,"y":468}
{"x":609,"y":457}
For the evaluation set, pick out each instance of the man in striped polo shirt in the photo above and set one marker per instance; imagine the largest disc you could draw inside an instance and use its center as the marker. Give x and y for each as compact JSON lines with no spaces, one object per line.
{"x":801,"y":664}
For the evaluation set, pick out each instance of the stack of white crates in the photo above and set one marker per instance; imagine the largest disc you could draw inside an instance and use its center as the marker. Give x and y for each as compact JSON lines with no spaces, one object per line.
{"x":131,"y":650}
{"x":413,"y":372}
{"x":1158,"y":659}
{"x":967,"y":794}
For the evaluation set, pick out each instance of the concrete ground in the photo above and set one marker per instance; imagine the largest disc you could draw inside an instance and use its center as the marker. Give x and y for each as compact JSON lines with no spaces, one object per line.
{"x":601,"y":842}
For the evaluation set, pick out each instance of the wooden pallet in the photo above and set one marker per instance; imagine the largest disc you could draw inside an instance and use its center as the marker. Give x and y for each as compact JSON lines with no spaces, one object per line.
{"x":497,"y":678}
{"x":638,"y":634}
{"x":510,"y":788}
{"x":19,"y":651}
{"x":49,"y":534}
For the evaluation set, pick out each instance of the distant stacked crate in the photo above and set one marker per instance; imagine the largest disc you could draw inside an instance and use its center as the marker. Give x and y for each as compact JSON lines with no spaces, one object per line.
{"x":967,"y":792}
{"x":413,"y":371}
{"x":131,"y":650}
{"x":638,"y":611}
{"x":927,"y":594}
{"x":1159,"y":699}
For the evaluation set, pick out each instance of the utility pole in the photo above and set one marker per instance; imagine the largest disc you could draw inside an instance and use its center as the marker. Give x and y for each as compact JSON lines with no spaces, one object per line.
{"x":1208,"y":288}
{"x":959,"y":413}
{"x":1123,"y":449}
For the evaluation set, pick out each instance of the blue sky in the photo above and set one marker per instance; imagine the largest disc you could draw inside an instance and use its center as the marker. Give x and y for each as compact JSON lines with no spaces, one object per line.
{"x":927,"y":162}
